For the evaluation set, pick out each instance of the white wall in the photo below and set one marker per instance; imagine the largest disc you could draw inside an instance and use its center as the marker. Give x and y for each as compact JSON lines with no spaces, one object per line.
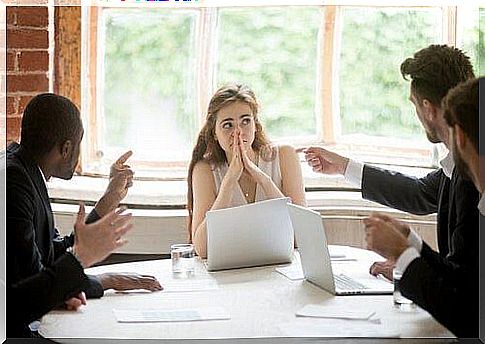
{"x":155,"y":230}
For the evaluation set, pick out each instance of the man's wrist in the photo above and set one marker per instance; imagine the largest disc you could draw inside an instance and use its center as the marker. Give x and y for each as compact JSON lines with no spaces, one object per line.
{"x":415,"y":240}
{"x":406,"y":258}
{"x":400,"y":248}
{"x":105,"y":205}
{"x":353,"y":172}
{"x":106,"y":281}
{"x":345,"y":163}
{"x":79,"y":257}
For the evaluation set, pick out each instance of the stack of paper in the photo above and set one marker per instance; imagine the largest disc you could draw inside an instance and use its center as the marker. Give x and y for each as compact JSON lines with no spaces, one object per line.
{"x":321,"y":311}
{"x":165,"y":315}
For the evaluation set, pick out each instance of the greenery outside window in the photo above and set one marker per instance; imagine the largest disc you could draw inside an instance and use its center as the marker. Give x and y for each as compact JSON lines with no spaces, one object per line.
{"x":326,"y":75}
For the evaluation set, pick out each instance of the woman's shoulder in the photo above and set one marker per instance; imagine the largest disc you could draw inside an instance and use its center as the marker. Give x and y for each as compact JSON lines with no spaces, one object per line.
{"x":286,"y":150}
{"x":203,"y":167}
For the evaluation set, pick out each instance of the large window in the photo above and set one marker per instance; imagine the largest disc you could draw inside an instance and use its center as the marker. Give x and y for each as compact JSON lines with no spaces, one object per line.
{"x":147,"y":92}
{"x":324,"y":75}
{"x":274,"y":50}
{"x":374,"y":42}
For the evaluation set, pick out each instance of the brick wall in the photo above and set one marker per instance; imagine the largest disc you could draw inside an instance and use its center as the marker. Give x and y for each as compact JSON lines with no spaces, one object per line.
{"x":27,"y":61}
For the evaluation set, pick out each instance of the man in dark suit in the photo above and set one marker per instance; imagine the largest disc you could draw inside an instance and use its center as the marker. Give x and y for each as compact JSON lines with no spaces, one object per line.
{"x":449,"y":294}
{"x":51,"y":135}
{"x":433,"y":71}
{"x":36,"y":295}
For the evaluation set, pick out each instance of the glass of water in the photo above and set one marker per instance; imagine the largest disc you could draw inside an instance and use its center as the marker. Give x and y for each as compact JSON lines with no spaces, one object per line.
{"x":397,"y":296}
{"x":183,"y":259}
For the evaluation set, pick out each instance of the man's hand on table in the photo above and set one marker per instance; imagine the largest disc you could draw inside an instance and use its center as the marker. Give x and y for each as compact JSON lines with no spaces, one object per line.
{"x":129,"y":281}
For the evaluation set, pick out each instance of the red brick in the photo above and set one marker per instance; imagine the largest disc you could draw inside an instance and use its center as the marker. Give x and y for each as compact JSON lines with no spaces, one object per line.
{"x":23,"y":101}
{"x":25,"y":38}
{"x":27,"y":83}
{"x":11,"y":15}
{"x":11,"y":57}
{"x":34,"y":61}
{"x":13,"y":128}
{"x":36,"y":16}
{"x":11,"y":106}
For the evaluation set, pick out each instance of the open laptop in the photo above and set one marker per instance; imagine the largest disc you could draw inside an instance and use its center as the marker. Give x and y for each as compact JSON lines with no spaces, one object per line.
{"x":250,"y":235}
{"x":315,"y":258}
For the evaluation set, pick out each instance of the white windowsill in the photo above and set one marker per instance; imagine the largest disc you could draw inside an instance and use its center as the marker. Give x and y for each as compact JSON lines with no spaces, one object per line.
{"x":167,"y":198}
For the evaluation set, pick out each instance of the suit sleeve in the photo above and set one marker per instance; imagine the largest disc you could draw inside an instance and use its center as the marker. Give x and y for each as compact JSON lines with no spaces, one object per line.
{"x":410,"y":194}
{"x":92,"y":217}
{"x":30,"y":298}
{"x":451,"y":298}
{"x":24,"y":257}
{"x":93,"y":287}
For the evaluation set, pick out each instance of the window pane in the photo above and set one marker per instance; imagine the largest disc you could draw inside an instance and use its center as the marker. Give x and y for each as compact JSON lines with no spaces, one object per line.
{"x":274,"y":51}
{"x":374,"y":43}
{"x":481,"y":42}
{"x":148,"y":102}
{"x":471,"y":29}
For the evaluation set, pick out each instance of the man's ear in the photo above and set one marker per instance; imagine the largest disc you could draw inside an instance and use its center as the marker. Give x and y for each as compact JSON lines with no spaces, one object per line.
{"x":430,"y":110}
{"x":460,"y":138}
{"x":66,"y":149}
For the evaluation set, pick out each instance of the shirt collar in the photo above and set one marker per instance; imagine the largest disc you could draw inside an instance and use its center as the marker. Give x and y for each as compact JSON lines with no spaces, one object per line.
{"x":481,"y":204}
{"x":43,"y":177}
{"x":448,"y":164}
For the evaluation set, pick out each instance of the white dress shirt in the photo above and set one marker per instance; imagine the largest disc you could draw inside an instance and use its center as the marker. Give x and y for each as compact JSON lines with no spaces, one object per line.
{"x":481,"y":204}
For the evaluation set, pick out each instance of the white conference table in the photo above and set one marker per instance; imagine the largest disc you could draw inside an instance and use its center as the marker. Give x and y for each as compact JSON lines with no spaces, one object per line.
{"x":261,"y":303}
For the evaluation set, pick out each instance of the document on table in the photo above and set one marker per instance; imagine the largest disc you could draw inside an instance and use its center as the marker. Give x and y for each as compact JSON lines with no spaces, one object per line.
{"x":332,"y":328}
{"x":336,"y":312}
{"x":294,"y":271}
{"x":189,"y":284}
{"x":169,"y":315}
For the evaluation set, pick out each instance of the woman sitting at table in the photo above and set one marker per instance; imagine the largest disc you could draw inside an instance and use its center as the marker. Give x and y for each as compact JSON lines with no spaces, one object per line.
{"x":233,"y":163}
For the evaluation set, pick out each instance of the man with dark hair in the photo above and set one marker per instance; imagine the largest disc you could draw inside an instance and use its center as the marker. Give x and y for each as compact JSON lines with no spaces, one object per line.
{"x":433,"y":71}
{"x":449,"y":294}
{"x":51,"y":135}
{"x":461,"y":115}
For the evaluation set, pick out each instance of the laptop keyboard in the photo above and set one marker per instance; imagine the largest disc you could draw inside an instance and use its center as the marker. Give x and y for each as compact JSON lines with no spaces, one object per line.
{"x":343,"y":282}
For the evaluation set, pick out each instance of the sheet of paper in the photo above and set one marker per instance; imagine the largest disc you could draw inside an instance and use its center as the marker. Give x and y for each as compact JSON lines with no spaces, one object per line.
{"x":293,"y":272}
{"x":337,"y":252}
{"x":168,"y":315}
{"x":333,"y":328}
{"x":324,"y":311}
{"x":189,"y":285}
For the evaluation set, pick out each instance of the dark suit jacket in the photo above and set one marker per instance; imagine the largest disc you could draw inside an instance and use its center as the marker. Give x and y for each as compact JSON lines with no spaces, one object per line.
{"x":39,"y":293}
{"x":33,"y":243}
{"x":451,"y":297}
{"x":455,"y":202}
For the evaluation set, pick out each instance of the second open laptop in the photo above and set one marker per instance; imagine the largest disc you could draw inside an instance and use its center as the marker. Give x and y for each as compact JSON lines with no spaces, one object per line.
{"x":315,"y":258}
{"x":250,"y":235}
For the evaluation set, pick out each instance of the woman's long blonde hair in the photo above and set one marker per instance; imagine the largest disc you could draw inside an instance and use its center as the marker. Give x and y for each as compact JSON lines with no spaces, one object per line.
{"x":207,"y":148}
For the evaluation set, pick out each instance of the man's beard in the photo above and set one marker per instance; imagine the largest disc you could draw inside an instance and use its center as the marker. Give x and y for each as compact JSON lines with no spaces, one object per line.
{"x":432,"y":136}
{"x":460,"y":164}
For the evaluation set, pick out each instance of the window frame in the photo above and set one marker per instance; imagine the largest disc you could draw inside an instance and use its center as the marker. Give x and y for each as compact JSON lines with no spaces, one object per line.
{"x":327,"y":88}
